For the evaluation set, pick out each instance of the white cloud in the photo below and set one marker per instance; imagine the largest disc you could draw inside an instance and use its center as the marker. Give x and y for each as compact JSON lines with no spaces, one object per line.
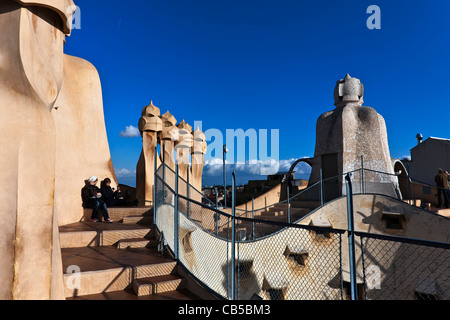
{"x":125,"y":173}
{"x":214,"y":167}
{"x":130,"y":132}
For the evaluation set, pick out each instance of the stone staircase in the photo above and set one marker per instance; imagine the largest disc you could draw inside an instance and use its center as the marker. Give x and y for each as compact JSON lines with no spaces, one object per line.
{"x":119,"y":260}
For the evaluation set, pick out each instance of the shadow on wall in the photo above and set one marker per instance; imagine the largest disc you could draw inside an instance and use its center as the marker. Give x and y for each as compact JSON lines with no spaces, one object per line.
{"x":405,"y":271}
{"x":246,"y":281}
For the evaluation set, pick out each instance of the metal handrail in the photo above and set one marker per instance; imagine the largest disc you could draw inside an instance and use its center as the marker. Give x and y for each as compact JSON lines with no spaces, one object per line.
{"x":235,"y":284}
{"x":189,"y":185}
{"x":245,"y":212}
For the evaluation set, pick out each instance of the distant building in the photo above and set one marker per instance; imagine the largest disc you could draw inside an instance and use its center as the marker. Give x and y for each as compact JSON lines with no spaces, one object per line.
{"x":255,"y":188}
{"x":427,"y":157}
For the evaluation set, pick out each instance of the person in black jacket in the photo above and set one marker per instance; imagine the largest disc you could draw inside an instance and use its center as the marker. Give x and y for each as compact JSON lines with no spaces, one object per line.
{"x":110,"y":195}
{"x":442,"y":184}
{"x":92,"y":199}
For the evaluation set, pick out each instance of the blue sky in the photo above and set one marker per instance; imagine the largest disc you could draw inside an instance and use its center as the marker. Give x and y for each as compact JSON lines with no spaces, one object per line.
{"x":266,"y":65}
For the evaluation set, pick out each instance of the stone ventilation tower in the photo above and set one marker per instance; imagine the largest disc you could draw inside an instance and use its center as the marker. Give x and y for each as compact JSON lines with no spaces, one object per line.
{"x":198,"y":152}
{"x":183,"y":147}
{"x":167,"y":138}
{"x":176,"y":144}
{"x":150,"y":126}
{"x":345,"y":136}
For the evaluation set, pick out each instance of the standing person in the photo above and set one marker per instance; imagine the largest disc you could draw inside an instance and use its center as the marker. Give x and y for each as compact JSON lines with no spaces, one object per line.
{"x":92,"y":199}
{"x":443,"y":187}
{"x":448,"y":190}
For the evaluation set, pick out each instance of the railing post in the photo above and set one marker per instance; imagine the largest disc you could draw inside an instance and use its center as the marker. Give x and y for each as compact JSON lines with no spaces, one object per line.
{"x":224,"y":180}
{"x":216,"y":215}
{"x":164,"y":160}
{"x":164,"y":169}
{"x":409,"y":190}
{"x":217,"y":197}
{"x":351,"y":239}
{"x":176,"y":215}
{"x":253,"y":218}
{"x":288,"y":203}
{"x":188,"y":206}
{"x":363,"y":188}
{"x":233,"y":239}
{"x":155,"y":181}
{"x":321,"y":188}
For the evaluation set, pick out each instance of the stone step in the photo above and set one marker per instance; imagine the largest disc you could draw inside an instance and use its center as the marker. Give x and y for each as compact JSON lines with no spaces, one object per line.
{"x":305,"y":204}
{"x":136,"y":243}
{"x":128,"y":294}
{"x":154,"y":270}
{"x":139,"y":219}
{"x":106,"y":269}
{"x":118,"y":213}
{"x":444,"y":212}
{"x":271,"y":213}
{"x":157,"y":285}
{"x":89,"y":234}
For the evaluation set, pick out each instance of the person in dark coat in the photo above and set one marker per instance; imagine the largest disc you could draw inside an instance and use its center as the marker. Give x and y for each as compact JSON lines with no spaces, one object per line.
{"x":111,"y":196}
{"x":92,"y":199}
{"x":442,"y":184}
{"x":114,"y":198}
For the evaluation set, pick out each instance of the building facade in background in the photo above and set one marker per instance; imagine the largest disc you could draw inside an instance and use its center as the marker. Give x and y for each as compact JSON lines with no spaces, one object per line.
{"x":427,"y":157}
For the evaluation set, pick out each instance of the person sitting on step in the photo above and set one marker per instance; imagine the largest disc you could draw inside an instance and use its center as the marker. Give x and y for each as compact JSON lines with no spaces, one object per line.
{"x":114,"y":198}
{"x":111,"y":196}
{"x":92,"y":199}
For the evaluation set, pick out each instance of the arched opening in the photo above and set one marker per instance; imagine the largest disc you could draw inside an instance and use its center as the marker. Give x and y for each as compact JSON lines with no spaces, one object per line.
{"x":403,"y":179}
{"x":295,"y":184}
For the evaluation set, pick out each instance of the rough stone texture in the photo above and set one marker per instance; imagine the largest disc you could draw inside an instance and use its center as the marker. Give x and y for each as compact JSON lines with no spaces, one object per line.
{"x":52,"y":135}
{"x":351,"y":131}
{"x":82,"y":143}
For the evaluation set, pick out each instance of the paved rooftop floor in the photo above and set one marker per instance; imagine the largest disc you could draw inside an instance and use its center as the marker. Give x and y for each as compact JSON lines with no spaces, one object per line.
{"x":109,"y":257}
{"x":99,"y":226}
{"x":129,"y":295}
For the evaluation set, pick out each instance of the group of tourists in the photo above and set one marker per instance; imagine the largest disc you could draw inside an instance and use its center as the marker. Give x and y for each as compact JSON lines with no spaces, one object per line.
{"x":105,"y":197}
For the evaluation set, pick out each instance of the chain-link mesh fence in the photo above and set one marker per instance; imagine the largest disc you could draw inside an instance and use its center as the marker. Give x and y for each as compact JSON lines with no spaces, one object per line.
{"x":276,"y":260}
{"x":292,"y":262}
{"x":402,"y":269}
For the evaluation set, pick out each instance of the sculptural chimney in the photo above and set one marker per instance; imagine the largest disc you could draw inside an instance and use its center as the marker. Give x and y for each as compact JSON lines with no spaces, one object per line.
{"x":349,"y":137}
{"x":150,"y":125}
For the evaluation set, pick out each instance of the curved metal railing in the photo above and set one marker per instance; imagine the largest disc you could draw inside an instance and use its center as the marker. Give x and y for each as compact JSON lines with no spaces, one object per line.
{"x":236,"y":265}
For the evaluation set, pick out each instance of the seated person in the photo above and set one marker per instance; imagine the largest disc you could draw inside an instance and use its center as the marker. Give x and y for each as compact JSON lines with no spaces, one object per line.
{"x":92,"y":199}
{"x":112,"y":197}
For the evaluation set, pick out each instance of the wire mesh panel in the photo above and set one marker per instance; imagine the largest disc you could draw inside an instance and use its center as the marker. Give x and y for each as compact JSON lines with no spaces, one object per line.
{"x":379,"y":183}
{"x":397,"y":269}
{"x":293,"y":263}
{"x":203,"y":245}
{"x":204,"y":255}
{"x":306,"y":201}
{"x":274,"y":259}
{"x":165,"y":205}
